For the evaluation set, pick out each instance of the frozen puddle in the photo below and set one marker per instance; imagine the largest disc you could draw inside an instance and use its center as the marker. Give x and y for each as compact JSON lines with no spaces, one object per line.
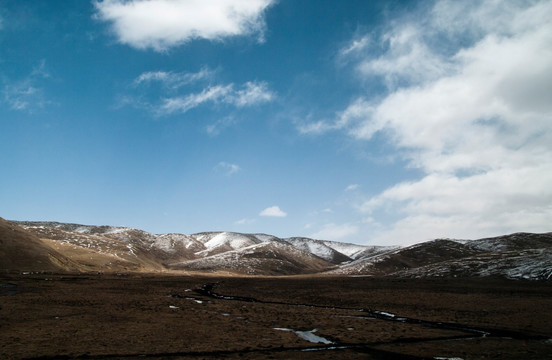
{"x":186,"y":298}
{"x":194,"y":299}
{"x":308,"y":335}
{"x":8,"y":289}
{"x":385,"y":314}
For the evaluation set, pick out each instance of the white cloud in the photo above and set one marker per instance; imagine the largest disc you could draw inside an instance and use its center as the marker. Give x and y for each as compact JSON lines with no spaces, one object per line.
{"x":355,"y":46}
{"x":244,"y":221}
{"x":173,"y":80}
{"x":162,"y":24}
{"x":354,"y":114}
{"x":408,"y":59}
{"x":352,"y":187}
{"x":273,"y":211}
{"x":315,"y":128}
{"x":165,"y":93}
{"x":214,"y":94}
{"x":27,"y":94}
{"x":227,"y":168}
{"x":468,"y":103}
{"x":333,"y":231}
{"x":218,"y":126}
{"x":250,"y":94}
{"x":21,"y":95}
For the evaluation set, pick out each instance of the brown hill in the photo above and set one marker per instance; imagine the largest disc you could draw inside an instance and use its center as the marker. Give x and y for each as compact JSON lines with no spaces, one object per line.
{"x":22,"y":251}
{"x":415,"y":256}
{"x":96,"y":251}
{"x":51,"y":246}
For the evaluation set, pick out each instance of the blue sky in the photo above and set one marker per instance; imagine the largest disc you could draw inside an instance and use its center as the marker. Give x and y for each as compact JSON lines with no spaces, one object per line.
{"x":373,"y":122}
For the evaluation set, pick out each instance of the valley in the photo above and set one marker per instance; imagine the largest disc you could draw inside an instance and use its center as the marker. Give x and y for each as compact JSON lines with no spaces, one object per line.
{"x":70,"y":291}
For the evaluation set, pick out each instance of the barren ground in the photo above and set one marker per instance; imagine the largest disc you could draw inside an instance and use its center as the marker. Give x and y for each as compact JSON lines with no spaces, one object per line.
{"x":179,"y":317}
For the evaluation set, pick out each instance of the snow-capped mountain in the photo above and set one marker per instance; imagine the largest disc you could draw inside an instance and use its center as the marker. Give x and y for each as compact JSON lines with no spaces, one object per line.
{"x":515,"y":256}
{"x":266,"y":258}
{"x":75,"y":247}
{"x":133,"y":249}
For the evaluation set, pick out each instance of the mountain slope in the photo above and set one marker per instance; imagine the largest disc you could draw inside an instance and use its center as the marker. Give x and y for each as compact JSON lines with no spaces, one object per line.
{"x":319,"y":248}
{"x":90,"y":250}
{"x":221,"y":242}
{"x":21,"y":250}
{"x":516,"y":256}
{"x":407,"y":258}
{"x":268,"y":258}
{"x":74,"y":247}
{"x":530,"y":264}
{"x":512,"y":242}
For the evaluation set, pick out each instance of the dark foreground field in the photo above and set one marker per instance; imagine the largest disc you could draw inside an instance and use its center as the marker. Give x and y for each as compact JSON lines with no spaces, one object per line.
{"x":180,"y":317}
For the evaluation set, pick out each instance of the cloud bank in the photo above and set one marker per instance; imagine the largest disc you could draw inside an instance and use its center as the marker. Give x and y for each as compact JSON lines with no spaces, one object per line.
{"x":162,"y":24}
{"x":468,"y":102}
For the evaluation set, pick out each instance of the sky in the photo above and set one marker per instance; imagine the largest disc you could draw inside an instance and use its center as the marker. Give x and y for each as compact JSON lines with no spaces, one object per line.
{"x":371,"y":122}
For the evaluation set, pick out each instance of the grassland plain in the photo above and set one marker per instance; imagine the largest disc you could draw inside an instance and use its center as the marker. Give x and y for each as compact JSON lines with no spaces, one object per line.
{"x":93,"y":316}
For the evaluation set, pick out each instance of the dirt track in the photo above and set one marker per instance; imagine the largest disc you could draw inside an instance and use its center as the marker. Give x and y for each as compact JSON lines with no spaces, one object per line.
{"x":177,"y":317}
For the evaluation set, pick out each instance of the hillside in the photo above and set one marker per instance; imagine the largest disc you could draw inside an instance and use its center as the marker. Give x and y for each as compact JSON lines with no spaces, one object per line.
{"x":21,"y":250}
{"x":516,"y":256}
{"x":52,"y":246}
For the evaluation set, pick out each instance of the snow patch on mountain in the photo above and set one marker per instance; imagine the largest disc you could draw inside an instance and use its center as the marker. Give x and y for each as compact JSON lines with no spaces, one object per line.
{"x":318,"y":248}
{"x":266,"y":237}
{"x":532,"y":264}
{"x":263,"y":258}
{"x":232,"y":240}
{"x":350,"y":250}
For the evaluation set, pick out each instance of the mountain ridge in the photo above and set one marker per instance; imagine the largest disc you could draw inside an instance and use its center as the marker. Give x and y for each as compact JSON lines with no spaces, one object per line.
{"x":86,"y":248}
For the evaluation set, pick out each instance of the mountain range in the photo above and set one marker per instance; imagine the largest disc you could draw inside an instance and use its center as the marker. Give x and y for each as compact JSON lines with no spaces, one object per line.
{"x":29,"y":246}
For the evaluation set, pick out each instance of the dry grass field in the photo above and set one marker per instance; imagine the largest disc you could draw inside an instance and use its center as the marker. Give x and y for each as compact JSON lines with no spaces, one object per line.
{"x":46,"y":316}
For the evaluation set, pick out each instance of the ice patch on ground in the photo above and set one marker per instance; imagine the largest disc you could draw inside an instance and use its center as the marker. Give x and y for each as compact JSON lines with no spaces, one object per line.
{"x":308,"y":335}
{"x":386,"y":314}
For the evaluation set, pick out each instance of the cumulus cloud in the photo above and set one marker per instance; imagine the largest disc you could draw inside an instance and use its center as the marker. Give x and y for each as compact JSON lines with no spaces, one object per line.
{"x":468,"y":103}
{"x":333,"y":231}
{"x":273,"y":211}
{"x":162,"y":24}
